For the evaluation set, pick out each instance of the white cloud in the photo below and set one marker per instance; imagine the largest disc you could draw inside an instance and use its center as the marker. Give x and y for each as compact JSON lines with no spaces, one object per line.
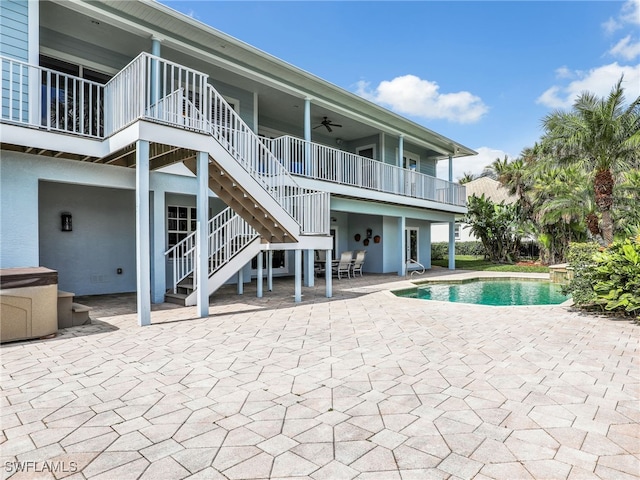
{"x":475,"y":164}
{"x":626,"y":49}
{"x":599,"y":81}
{"x":564,"y":72}
{"x":411,"y":95}
{"x":629,"y":14}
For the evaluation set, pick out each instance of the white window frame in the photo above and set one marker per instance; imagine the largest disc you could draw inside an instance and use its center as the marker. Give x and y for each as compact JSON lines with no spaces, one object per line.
{"x":275,"y":271}
{"x":367,"y":147}
{"x":408,"y":240}
{"x":190,"y":219}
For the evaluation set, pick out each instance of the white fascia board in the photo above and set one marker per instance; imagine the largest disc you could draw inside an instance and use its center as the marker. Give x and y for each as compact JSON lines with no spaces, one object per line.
{"x":375,"y":196}
{"x":363,"y":207}
{"x":51,"y":140}
{"x":304,"y":243}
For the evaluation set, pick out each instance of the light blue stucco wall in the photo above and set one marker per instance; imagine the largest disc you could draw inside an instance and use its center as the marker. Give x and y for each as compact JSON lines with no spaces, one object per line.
{"x":102,"y":240}
{"x":390,"y":244}
{"x":33,"y":192}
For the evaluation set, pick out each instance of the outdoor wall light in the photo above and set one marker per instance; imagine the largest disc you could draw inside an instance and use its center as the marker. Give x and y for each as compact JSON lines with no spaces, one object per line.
{"x":65,"y":219}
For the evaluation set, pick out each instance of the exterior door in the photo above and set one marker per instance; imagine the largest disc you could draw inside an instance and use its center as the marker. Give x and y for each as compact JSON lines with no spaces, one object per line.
{"x":411,"y":243}
{"x":411,"y":164}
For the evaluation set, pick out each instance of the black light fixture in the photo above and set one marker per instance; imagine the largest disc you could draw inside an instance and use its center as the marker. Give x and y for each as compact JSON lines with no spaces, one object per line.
{"x":65,"y":219}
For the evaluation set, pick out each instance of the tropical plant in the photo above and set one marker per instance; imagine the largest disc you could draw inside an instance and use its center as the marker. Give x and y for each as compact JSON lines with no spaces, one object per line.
{"x":498,"y":227}
{"x":602,"y":137}
{"x":466,"y":178}
{"x":617,"y":277}
{"x":580,"y":257}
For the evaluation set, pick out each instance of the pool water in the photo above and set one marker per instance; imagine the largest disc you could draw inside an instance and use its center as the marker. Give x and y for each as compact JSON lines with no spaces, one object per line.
{"x":497,"y":292}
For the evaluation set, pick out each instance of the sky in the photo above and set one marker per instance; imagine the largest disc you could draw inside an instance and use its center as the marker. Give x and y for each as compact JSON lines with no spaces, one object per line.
{"x":483,"y":73}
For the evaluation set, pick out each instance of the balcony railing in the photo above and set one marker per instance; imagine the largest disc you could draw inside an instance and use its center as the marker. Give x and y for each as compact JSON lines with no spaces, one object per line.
{"x":153,"y":88}
{"x":44,"y":98}
{"x":320,"y":162}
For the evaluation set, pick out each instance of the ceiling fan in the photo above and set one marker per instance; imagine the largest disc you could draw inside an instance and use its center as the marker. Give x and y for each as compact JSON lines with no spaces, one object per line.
{"x":327,"y":124}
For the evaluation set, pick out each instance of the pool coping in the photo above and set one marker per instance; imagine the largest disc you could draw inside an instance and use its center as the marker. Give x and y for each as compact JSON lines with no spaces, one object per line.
{"x":466,"y":276}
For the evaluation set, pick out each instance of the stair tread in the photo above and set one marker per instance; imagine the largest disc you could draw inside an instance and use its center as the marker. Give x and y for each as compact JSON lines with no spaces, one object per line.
{"x":78,"y":308}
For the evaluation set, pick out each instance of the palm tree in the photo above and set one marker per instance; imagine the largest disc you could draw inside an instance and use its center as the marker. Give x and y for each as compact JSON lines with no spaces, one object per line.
{"x":466,"y":178}
{"x":602,"y":137}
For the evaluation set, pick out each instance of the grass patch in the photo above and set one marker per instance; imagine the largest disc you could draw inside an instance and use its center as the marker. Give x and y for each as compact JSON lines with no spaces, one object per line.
{"x":470,"y":262}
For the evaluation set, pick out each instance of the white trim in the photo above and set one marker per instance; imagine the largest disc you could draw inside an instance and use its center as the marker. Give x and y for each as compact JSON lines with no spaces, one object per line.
{"x":81,"y":62}
{"x":233,"y":101}
{"x":33,"y":45}
{"x":372,"y":146}
{"x":408,"y":243}
{"x":255,"y":112}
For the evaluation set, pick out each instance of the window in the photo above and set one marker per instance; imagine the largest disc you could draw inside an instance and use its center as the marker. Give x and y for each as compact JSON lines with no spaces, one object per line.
{"x":457,"y":231}
{"x":71,"y":104}
{"x":181,"y":221}
{"x":278,"y":261}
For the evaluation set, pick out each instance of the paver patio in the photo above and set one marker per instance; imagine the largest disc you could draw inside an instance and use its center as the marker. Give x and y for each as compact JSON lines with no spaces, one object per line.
{"x":365,"y":385}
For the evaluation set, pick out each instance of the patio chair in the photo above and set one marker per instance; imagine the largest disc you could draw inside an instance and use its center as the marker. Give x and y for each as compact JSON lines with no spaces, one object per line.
{"x":319,"y":263}
{"x":358,"y":262}
{"x":343,"y":265}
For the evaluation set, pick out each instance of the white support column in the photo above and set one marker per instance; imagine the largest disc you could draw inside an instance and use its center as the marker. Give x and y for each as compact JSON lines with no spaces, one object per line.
{"x":452,"y":245}
{"x":155,"y":74}
{"x":241,"y":281}
{"x":298,"y":274}
{"x":143,"y":256}
{"x":270,"y":271}
{"x":259,"y":275}
{"x":307,"y":136}
{"x":202,"y":240}
{"x":402,"y":241}
{"x":328,"y":274}
{"x":400,"y":151}
{"x":450,"y":190}
{"x":33,"y":39}
{"x":308,"y":268}
{"x":159,"y":263}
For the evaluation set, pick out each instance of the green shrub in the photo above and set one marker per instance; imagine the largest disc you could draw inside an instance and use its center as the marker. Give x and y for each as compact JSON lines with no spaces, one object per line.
{"x":609,"y":278}
{"x":439,"y":251}
{"x":617,"y":277}
{"x":580,"y":259}
{"x":469,"y":248}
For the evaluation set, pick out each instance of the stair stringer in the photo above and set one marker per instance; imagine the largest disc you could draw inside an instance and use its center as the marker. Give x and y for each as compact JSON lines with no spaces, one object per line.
{"x":224,"y":273}
{"x":222,"y":163}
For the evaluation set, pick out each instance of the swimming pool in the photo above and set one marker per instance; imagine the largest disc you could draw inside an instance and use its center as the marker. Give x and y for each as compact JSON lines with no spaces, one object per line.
{"x":495,"y":291}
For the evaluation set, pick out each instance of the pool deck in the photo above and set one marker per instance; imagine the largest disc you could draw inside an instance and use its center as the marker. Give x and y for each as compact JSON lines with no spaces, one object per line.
{"x":364,"y":385}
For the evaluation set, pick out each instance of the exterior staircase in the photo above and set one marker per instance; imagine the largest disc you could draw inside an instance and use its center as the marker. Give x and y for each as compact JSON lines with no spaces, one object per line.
{"x":266,"y":205}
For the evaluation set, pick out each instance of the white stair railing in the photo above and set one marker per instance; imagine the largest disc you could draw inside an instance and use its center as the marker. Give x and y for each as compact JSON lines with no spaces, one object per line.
{"x":153,"y":88}
{"x":254,"y":155}
{"x":228,"y":234}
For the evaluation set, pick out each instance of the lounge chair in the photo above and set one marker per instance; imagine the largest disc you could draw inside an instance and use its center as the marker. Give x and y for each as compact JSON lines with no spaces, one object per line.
{"x":358,"y":262}
{"x":343,"y":265}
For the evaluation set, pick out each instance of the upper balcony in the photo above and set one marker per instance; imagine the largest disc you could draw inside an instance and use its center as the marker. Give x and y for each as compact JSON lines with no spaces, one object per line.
{"x":320,"y":162}
{"x":158,"y":90}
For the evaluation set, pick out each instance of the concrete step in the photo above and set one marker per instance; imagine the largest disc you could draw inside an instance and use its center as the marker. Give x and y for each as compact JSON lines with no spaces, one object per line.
{"x":177,"y":298}
{"x":80,"y":314}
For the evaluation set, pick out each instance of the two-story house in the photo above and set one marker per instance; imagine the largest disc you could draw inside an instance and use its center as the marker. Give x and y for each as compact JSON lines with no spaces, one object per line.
{"x":141,"y":148}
